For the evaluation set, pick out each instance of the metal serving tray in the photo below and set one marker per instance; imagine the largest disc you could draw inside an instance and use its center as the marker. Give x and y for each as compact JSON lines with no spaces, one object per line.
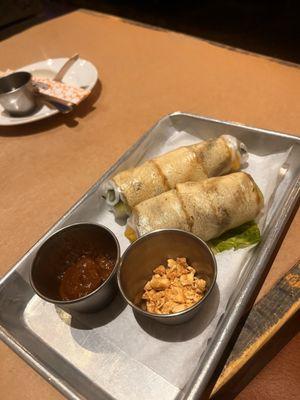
{"x":128,"y":379}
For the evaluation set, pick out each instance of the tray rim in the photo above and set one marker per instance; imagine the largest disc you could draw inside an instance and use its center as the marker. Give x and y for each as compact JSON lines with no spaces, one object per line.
{"x":196,"y":388}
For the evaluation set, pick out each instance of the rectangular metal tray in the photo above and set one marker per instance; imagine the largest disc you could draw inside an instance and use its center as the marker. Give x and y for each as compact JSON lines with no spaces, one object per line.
{"x":135,"y":381}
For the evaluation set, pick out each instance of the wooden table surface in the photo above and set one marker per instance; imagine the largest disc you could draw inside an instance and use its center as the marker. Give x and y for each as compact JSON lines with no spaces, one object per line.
{"x":145,"y":73}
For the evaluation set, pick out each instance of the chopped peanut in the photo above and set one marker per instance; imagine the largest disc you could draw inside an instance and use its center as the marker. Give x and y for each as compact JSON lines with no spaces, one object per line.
{"x":187,"y":279}
{"x":178,"y":307}
{"x":201,"y":284}
{"x":159,"y":283}
{"x":172,"y":289}
{"x":160,"y":270}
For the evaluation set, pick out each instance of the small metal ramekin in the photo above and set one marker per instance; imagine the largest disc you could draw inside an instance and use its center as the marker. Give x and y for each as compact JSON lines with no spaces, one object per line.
{"x":17,"y":94}
{"x":149,"y":251}
{"x":50,"y":262}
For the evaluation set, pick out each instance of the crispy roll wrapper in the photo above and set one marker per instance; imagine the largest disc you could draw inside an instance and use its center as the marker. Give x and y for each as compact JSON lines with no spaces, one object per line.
{"x":207,"y":208}
{"x":197,"y":162}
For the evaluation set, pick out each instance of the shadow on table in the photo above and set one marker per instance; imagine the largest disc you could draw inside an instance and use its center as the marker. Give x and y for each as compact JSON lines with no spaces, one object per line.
{"x":70,"y":120}
{"x":187,"y":330}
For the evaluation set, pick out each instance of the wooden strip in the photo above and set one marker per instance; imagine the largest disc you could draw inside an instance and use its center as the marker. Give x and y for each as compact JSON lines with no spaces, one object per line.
{"x":265,"y":319}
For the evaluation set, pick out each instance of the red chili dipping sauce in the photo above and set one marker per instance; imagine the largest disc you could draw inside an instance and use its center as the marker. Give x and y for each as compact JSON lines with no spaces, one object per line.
{"x":84,"y":275}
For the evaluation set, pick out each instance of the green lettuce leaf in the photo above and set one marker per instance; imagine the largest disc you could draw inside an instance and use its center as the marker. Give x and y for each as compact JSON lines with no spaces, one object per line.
{"x":237,"y":238}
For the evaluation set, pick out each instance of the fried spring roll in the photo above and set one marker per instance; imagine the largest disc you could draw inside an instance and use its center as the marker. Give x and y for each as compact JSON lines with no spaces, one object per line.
{"x":207,"y":209}
{"x":197,"y":162}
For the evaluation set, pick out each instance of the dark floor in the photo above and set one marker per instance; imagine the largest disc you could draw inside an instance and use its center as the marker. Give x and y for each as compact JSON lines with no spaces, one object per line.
{"x":266,"y":27}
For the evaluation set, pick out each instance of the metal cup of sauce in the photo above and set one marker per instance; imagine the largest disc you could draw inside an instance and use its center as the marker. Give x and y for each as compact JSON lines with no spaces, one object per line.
{"x":17,"y":94}
{"x":152,"y":250}
{"x":75,"y":268}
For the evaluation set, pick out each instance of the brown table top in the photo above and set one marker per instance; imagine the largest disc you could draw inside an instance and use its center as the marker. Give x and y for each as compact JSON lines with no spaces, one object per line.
{"x":145,"y":73}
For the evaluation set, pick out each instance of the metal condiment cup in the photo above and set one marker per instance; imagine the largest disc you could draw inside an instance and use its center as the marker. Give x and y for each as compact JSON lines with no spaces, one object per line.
{"x":153,"y":249}
{"x":17,"y":94}
{"x":52,"y":260}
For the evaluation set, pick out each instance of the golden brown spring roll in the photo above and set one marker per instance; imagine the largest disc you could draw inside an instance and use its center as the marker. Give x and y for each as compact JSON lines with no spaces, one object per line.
{"x":197,"y":162}
{"x":206,"y":208}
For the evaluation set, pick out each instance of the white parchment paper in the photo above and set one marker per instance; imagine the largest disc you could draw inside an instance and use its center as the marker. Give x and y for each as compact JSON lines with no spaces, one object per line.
{"x":171,"y":352}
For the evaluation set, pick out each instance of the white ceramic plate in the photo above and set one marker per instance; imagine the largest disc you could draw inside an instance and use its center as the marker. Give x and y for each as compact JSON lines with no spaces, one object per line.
{"x":82,"y":74}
